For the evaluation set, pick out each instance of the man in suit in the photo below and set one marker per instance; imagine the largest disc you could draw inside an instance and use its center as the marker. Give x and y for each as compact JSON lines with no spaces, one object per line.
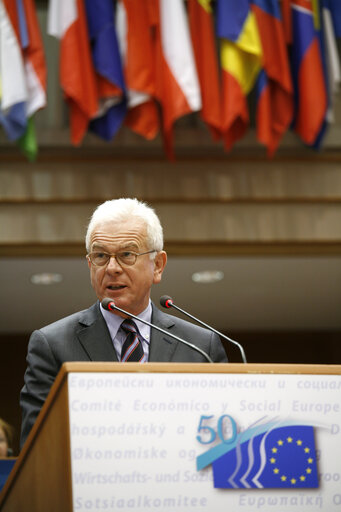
{"x":125,"y":256}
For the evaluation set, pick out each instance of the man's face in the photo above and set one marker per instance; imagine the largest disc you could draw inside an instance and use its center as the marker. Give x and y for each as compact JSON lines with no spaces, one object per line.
{"x":3,"y":444}
{"x":128,"y":286}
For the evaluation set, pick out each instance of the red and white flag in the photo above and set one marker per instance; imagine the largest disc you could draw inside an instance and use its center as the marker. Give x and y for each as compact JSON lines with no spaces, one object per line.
{"x":67,"y":22}
{"x":177,"y":84}
{"x":135,"y":41}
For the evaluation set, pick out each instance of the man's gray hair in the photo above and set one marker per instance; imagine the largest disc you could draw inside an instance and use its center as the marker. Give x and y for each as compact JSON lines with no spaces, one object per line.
{"x":125,"y":208}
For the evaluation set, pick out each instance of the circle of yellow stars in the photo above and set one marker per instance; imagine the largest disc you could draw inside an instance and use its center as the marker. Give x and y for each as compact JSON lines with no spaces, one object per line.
{"x":287,"y":478}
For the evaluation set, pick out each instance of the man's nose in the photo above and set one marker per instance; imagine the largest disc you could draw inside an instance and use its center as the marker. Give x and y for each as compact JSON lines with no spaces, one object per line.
{"x":113,"y":265}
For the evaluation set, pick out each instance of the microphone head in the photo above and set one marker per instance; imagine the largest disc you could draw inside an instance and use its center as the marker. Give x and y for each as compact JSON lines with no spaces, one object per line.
{"x":166,"y":301}
{"x":107,"y":304}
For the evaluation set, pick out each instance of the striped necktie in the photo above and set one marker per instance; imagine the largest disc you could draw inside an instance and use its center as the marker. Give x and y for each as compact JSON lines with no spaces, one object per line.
{"x":132,"y":350}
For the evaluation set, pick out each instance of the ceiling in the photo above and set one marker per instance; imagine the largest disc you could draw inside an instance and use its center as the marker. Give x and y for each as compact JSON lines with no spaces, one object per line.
{"x":257,"y":293}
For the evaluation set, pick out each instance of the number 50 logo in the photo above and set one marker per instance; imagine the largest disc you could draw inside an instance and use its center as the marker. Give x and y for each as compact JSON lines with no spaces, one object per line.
{"x":226,"y":428}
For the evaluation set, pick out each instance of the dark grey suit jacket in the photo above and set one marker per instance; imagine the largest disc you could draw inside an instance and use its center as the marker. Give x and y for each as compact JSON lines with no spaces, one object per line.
{"x":84,"y":336}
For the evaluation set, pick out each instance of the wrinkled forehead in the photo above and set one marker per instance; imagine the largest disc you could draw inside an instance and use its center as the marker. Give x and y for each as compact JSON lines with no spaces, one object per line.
{"x":128,"y":232}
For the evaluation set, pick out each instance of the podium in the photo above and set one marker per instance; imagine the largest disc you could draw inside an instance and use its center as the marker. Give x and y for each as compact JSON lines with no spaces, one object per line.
{"x":114,"y":436}
{"x":6,"y":466}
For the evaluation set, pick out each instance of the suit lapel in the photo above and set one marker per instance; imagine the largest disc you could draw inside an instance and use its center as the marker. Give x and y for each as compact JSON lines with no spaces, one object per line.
{"x":162,"y":347}
{"x":93,"y":334}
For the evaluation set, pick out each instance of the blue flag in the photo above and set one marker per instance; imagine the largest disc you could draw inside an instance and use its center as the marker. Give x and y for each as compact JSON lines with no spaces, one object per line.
{"x":264,"y":458}
{"x":107,"y":62}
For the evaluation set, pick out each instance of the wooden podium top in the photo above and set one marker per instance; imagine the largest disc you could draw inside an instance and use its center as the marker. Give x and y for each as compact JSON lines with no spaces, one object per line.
{"x":323,"y":369}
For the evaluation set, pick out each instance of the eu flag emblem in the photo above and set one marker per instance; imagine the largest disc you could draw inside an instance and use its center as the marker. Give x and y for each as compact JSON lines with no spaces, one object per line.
{"x":283,"y":457}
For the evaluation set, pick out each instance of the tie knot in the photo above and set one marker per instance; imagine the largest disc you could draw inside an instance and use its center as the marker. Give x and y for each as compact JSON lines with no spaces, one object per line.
{"x":129,"y":326}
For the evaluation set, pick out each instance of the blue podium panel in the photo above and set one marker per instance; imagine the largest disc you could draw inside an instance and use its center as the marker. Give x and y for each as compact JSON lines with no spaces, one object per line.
{"x":6,"y":466}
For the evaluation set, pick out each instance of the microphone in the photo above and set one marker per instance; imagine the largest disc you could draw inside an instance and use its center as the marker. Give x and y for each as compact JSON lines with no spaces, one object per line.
{"x":109,"y":305}
{"x":167,"y":302}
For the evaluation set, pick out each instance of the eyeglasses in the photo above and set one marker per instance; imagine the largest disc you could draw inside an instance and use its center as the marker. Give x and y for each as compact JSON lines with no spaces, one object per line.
{"x":128,"y":258}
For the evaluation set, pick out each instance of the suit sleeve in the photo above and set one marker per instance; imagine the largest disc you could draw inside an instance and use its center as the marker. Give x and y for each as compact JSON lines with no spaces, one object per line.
{"x":217,"y":351}
{"x":40,"y":374}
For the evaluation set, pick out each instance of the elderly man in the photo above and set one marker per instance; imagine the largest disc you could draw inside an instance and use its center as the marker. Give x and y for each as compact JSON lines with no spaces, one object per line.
{"x":125,"y":256}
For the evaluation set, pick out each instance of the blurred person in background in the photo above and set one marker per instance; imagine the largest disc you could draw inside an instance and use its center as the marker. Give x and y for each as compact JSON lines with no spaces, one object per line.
{"x":6,"y":440}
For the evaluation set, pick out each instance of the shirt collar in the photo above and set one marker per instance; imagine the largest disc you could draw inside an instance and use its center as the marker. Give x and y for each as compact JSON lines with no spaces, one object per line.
{"x":114,"y":322}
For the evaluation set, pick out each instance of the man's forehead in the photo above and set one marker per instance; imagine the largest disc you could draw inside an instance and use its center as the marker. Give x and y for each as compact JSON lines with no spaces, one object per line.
{"x":130,"y":232}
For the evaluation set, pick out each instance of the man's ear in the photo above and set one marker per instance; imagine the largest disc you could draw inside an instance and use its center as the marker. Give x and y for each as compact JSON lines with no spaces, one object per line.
{"x":159,"y":265}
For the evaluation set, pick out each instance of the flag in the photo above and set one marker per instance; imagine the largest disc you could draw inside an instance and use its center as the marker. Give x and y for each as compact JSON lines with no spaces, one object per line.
{"x":35,"y":64}
{"x":35,"y":71}
{"x":275,"y":103}
{"x":323,"y":45}
{"x":308,"y":74}
{"x":177,"y":85}
{"x":203,"y":40}
{"x":240,"y":55}
{"x":334,"y":6}
{"x":286,"y":19}
{"x":28,"y":141}
{"x":67,"y":22}
{"x":135,"y":42}
{"x":108,"y":68}
{"x":12,"y":71}
{"x":332,"y":59}
{"x":23,"y":73}
{"x":274,"y":455}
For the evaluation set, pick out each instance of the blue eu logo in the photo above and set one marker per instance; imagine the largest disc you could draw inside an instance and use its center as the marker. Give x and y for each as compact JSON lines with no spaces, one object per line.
{"x":266,"y":456}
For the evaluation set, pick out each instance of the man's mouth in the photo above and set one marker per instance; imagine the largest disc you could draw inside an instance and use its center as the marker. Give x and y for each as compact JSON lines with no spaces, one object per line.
{"x":117,"y":287}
